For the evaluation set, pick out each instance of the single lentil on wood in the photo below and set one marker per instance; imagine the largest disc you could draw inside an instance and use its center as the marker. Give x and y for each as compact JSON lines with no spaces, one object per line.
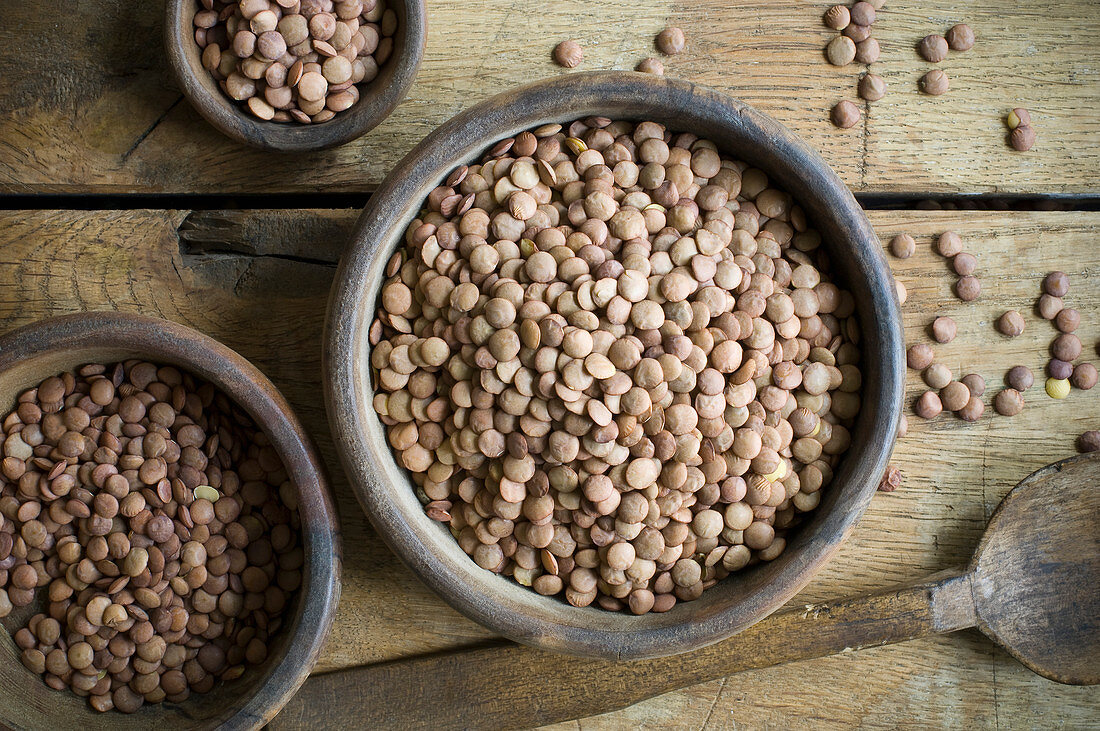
{"x":629,"y":390}
{"x":160,"y":525}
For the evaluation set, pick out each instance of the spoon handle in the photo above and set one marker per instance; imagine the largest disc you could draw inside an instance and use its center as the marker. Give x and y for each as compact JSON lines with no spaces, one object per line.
{"x":513,"y":686}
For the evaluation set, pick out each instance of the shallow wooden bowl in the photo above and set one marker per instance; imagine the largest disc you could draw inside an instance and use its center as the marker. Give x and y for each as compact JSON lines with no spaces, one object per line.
{"x":386,"y":492}
{"x":377,"y":98}
{"x":32,"y":353}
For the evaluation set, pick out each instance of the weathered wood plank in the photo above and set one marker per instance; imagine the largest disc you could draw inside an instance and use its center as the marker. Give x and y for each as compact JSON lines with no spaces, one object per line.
{"x":229,"y":278}
{"x":100,"y":115}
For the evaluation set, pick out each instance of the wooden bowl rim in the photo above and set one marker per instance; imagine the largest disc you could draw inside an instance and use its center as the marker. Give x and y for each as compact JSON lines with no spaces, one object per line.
{"x":164,"y":341}
{"x":377,"y":99}
{"x":386,"y":493}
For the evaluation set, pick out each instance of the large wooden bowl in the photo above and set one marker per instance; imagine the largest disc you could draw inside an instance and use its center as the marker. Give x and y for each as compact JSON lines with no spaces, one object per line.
{"x":386,"y":492}
{"x":32,"y":353}
{"x":377,"y":98}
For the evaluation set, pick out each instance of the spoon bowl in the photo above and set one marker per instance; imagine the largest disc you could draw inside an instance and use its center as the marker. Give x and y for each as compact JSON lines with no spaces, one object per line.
{"x":1036,"y":573}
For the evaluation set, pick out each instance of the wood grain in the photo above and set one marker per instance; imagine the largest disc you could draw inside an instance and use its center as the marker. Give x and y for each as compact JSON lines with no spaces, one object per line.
{"x":102,"y":115}
{"x":954,"y":474}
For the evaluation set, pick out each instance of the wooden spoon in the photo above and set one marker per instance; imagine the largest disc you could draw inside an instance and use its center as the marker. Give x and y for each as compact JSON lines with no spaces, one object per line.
{"x":1033,"y":587}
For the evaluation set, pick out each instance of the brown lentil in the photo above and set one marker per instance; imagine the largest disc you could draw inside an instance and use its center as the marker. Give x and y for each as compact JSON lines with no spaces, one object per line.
{"x":568,"y":54}
{"x":1084,"y":376}
{"x":1020,"y":378}
{"x":975,"y":383}
{"x":919,"y":356}
{"x":670,"y":41}
{"x":968,"y":288}
{"x":954,"y":396}
{"x":972,"y":411}
{"x":1059,"y":369}
{"x":960,"y":37}
{"x":1049,"y":306}
{"x":1056,"y":284}
{"x":903,"y":246}
{"x":1009,"y":402}
{"x":964,"y":264}
{"x":944,"y":330}
{"x":1022,"y":138}
{"x":867,"y":51}
{"x":935,"y":82}
{"x":1067,"y":320}
{"x":838,"y":17}
{"x":846,"y":114}
{"x":933,"y":48}
{"x":640,"y":374}
{"x":1089,"y":441}
{"x":126,"y":566}
{"x":863,"y":13}
{"x":928,"y":406}
{"x":872,"y":87}
{"x":300,"y":62}
{"x":1011,"y":323}
{"x":891,"y":479}
{"x":841,"y":51}
{"x":949,"y":244}
{"x":651,"y":66}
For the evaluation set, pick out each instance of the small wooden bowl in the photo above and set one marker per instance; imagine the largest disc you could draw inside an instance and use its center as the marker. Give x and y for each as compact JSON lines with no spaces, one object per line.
{"x":377,"y":98}
{"x":387,"y":493}
{"x":32,"y":353}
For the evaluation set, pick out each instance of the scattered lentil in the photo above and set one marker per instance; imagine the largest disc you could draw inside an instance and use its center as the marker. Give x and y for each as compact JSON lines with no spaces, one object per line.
{"x":872,"y":87}
{"x":838,"y":17}
{"x":568,"y":54}
{"x":928,"y":406}
{"x":960,"y":37}
{"x":919,"y":356}
{"x":1020,"y":378}
{"x":1057,"y":388}
{"x":964,"y":264}
{"x":1084,"y":376}
{"x":937,"y":375}
{"x":1067,"y":320}
{"x":975,"y":383}
{"x":891,"y":479}
{"x":944,"y":330}
{"x":903,"y":246}
{"x":841,"y":51}
{"x":863,"y":13}
{"x":1089,"y":441}
{"x":651,"y":66}
{"x":933,"y":48}
{"x":935,"y":82}
{"x":671,"y":41}
{"x":972,"y":411}
{"x":968,"y":288}
{"x":1011,"y":323}
{"x":867,"y":51}
{"x":1049,"y":306}
{"x":846,"y":114}
{"x":1056,"y":284}
{"x":1022,"y":138}
{"x":949,"y":244}
{"x":1008,"y":402}
{"x":1059,"y":369}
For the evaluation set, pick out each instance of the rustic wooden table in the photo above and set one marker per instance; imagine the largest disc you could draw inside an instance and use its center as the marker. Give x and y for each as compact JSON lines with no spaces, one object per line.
{"x":116,"y":195}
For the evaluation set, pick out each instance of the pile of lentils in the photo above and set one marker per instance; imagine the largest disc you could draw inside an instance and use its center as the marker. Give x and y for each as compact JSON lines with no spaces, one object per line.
{"x":159,"y":524}
{"x":614,"y":363}
{"x":294,"y":60}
